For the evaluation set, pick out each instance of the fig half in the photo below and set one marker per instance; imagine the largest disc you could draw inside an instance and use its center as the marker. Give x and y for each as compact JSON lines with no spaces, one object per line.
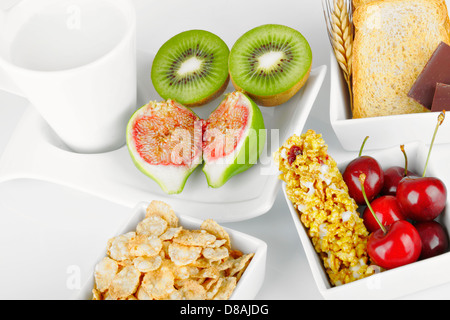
{"x":165,"y":142}
{"x":233,"y":138}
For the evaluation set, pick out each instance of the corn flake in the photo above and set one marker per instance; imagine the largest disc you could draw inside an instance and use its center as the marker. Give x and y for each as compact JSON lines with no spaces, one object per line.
{"x":163,"y":210}
{"x":125,"y":283}
{"x":118,"y":247}
{"x":96,"y":295}
{"x":141,"y":294}
{"x":191,"y":290}
{"x":105,"y":271}
{"x":145,"y":246}
{"x":240,"y":263}
{"x":226,"y":289}
{"x":152,"y":226}
{"x":170,"y":233}
{"x":158,"y":283}
{"x":213,"y":287}
{"x":199,"y":238}
{"x":215,"y":254}
{"x":215,"y":229}
{"x":146,"y":264}
{"x":182,"y":255}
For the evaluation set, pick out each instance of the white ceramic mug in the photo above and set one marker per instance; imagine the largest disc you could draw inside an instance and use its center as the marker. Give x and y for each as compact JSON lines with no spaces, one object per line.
{"x":75,"y":61}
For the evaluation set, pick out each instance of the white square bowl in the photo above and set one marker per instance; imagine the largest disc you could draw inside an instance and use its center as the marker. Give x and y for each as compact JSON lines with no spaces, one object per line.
{"x":399,"y":282}
{"x":384,"y":132}
{"x":248,"y":285}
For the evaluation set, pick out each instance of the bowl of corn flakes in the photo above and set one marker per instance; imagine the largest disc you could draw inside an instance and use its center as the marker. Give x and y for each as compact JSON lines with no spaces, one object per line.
{"x":159,"y":255}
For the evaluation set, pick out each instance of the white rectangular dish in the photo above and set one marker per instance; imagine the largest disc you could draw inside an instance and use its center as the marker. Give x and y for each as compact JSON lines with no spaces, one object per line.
{"x":384,"y":132}
{"x":248,"y":285}
{"x":35,"y":152}
{"x":395,"y":283}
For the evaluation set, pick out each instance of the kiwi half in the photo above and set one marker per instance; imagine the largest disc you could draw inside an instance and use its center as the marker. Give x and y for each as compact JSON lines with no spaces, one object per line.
{"x":191,"y":68}
{"x":270,"y":63}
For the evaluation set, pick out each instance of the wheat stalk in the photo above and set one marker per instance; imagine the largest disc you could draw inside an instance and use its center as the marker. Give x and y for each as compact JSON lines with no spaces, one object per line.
{"x":340,"y":32}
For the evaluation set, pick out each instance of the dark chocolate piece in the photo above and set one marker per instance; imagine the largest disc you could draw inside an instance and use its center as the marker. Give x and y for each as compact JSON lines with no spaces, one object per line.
{"x":437,"y":70}
{"x":441,"y":99}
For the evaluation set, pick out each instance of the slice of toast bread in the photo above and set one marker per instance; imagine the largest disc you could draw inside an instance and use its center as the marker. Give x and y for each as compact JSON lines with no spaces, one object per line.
{"x":357,"y":3}
{"x":394,"y":39}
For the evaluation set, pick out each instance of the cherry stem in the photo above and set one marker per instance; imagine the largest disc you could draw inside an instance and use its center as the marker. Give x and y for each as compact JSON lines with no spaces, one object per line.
{"x":402,"y":147}
{"x":441,"y":119}
{"x":363,"y":144}
{"x":362,"y":179}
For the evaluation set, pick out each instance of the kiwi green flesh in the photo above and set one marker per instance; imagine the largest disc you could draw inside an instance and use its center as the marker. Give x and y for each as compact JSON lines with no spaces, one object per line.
{"x":191,"y":67}
{"x":269,"y":60}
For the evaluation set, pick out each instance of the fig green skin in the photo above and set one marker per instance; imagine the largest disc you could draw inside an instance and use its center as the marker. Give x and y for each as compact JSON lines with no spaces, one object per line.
{"x":153,"y":174}
{"x":245,"y":158}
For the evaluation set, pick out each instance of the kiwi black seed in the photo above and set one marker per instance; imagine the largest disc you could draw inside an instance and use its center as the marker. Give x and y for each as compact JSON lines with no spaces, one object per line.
{"x":270,"y":63}
{"x":191,"y":68}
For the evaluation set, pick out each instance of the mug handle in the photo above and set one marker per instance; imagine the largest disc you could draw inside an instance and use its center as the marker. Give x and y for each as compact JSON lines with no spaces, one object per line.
{"x":6,"y":83}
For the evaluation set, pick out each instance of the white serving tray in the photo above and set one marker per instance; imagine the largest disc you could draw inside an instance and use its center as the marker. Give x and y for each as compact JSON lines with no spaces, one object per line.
{"x":247,"y":287}
{"x":399,"y":282}
{"x":35,"y":152}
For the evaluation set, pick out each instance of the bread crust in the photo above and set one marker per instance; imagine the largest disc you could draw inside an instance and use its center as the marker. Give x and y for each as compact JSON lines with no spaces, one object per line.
{"x":357,"y":3}
{"x":394,"y":39}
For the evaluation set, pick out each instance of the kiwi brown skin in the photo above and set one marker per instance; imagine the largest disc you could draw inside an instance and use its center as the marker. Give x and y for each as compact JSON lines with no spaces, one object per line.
{"x":277,"y":99}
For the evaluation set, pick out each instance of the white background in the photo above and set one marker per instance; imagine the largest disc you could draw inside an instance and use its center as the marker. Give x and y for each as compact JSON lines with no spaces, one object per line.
{"x":47,"y":232}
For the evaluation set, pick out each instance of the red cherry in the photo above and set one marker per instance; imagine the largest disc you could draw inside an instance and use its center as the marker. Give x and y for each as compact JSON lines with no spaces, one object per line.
{"x":387,"y":211}
{"x":400,"y":245}
{"x":394,"y":245}
{"x":422,"y":198}
{"x":374,"y":177}
{"x":392,"y":177}
{"x":434,"y":239}
{"x":373,"y":183}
